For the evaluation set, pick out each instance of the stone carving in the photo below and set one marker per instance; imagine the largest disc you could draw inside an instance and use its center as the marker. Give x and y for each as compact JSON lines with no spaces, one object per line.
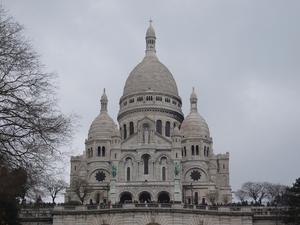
{"x":177,"y":169}
{"x":114,"y":171}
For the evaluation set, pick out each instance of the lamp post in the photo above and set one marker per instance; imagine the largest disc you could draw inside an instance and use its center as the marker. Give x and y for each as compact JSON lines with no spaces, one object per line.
{"x":192,"y":194}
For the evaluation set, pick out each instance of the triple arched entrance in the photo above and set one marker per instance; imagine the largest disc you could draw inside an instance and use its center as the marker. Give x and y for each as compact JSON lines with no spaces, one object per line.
{"x":145,"y":197}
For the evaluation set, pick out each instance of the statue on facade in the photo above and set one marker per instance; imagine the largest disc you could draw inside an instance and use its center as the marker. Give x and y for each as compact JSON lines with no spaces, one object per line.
{"x":114,"y":171}
{"x":146,"y":134}
{"x":176,"y":169}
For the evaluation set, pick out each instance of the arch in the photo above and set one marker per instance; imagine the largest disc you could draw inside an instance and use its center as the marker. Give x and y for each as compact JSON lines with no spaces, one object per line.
{"x":197,"y":149}
{"x":128,"y":155}
{"x":125,"y":197}
{"x":159,"y":126}
{"x":103,"y":151}
{"x":161,"y":157}
{"x":146,"y":158}
{"x":168,"y":129}
{"x":193,"y":150}
{"x":99,"y":151}
{"x":131,"y":128}
{"x":163,"y":197}
{"x":145,"y":196}
{"x":163,"y":173}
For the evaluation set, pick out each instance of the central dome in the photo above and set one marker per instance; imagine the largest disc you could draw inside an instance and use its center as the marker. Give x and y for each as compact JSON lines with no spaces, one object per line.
{"x":150,"y":75}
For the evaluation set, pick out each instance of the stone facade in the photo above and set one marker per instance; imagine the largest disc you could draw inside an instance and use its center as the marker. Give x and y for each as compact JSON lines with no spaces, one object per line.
{"x":154,"y":153}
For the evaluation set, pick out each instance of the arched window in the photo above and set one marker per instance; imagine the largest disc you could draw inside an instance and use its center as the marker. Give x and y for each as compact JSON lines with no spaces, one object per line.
{"x":131,"y":128}
{"x":158,"y":126}
{"x":128,"y":174}
{"x":91,"y":152}
{"x":125,"y":131}
{"x":167,"y":129}
{"x":197,"y":149}
{"x":184,"y":150}
{"x":204,"y":150}
{"x":207,"y":151}
{"x":193,"y":150}
{"x":163,"y":175}
{"x":99,"y":151}
{"x":146,"y":158}
{"x":103,"y":151}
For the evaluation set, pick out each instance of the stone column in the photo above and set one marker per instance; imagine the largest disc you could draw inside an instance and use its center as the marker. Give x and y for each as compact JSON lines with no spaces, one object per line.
{"x":113,"y":191}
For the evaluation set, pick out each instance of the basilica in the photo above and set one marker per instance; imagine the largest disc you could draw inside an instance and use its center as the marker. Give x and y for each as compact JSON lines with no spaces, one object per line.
{"x":152,"y":152}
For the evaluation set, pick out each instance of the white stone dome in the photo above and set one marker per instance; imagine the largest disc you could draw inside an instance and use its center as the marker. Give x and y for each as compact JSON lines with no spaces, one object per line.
{"x":103,"y":126}
{"x":194,"y":126}
{"x":150,"y":75}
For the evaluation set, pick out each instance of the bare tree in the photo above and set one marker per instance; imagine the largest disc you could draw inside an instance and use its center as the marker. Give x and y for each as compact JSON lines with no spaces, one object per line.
{"x":275,"y":191}
{"x":212,"y":196}
{"x":54,"y":187}
{"x":255,"y":190}
{"x":80,"y":187}
{"x":32,"y":128}
{"x":241,"y":195}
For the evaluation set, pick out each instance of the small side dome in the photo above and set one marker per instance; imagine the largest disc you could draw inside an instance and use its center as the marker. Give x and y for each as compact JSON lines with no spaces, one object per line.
{"x":103,"y":125}
{"x":194,"y":125}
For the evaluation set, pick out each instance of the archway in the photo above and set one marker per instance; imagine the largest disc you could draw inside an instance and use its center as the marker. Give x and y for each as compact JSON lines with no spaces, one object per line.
{"x":125,"y":197}
{"x":145,"y":197}
{"x":163,"y":197}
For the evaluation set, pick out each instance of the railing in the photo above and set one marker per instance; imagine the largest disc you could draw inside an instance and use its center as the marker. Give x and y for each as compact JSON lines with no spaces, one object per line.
{"x":36,"y":212}
{"x":156,"y":205}
{"x":46,"y":210}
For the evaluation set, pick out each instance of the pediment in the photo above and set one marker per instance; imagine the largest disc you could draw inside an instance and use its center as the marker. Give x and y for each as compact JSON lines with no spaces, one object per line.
{"x":134,"y":141}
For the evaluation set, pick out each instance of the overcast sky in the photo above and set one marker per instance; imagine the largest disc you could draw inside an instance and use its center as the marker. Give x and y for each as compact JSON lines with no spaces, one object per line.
{"x":242,"y":57}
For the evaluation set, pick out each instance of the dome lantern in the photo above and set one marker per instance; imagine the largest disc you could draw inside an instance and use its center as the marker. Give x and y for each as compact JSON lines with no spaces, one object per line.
{"x":150,"y":40}
{"x":193,"y":101}
{"x":104,"y":102}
